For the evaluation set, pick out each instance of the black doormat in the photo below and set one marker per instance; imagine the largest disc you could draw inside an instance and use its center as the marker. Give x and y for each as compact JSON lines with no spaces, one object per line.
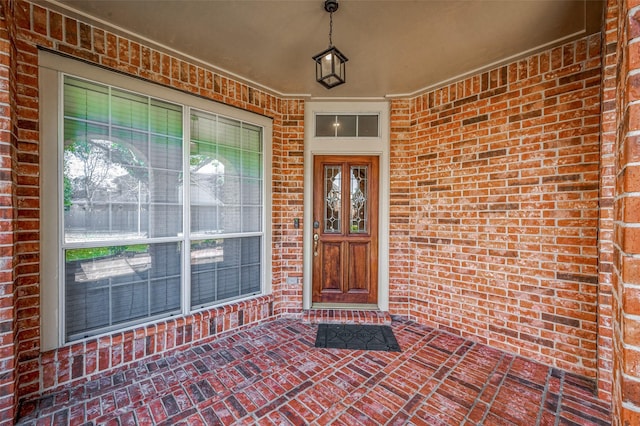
{"x":354,"y":336}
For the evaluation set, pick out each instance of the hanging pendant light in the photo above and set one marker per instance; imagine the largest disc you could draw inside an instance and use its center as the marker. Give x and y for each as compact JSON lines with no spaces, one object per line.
{"x":330,"y":68}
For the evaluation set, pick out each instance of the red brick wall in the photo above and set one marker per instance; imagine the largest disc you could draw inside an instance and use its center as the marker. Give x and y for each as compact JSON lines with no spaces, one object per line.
{"x":27,"y":233}
{"x":607,"y":193}
{"x":39,"y":27}
{"x":496,"y":205}
{"x":626,"y":265}
{"x":8,"y":137}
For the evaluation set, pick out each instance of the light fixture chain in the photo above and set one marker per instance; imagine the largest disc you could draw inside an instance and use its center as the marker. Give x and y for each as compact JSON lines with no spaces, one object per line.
{"x":330,"y":28}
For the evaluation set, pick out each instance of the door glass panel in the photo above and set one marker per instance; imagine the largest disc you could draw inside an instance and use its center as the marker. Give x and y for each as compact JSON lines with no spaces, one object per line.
{"x":359,"y":202}
{"x":332,"y":198}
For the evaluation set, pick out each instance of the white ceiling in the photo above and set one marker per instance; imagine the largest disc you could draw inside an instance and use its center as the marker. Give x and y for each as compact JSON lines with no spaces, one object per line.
{"x":395,"y":47}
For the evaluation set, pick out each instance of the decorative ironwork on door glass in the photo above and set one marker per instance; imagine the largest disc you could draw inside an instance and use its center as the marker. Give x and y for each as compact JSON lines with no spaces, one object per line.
{"x":358,"y":194}
{"x":332,"y":198}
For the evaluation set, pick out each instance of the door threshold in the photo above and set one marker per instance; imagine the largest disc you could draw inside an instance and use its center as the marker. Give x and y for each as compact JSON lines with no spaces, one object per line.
{"x":346,"y":306}
{"x":346,"y":315}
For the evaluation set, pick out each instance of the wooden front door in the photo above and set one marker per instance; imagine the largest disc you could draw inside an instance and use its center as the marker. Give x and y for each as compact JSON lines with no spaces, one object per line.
{"x":345,"y":229}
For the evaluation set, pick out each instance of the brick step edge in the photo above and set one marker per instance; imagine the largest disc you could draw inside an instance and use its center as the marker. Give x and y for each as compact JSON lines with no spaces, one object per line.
{"x":344,"y":316}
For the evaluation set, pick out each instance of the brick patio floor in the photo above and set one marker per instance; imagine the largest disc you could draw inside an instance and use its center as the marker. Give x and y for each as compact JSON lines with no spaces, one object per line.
{"x":272,"y":374}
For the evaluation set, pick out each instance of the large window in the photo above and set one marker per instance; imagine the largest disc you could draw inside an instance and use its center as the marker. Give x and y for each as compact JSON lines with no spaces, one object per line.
{"x":160,"y":203}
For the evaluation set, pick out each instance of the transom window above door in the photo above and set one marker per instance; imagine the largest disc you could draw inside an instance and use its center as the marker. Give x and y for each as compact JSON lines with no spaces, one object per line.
{"x":347,"y":125}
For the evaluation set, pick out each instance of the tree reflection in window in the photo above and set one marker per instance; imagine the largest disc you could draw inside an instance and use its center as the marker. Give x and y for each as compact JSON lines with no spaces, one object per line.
{"x":106,"y":189}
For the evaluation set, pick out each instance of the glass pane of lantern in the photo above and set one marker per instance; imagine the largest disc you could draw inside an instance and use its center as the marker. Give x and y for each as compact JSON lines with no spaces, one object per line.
{"x":346,"y":125}
{"x":325,"y":125}
{"x":327,"y":64}
{"x":331,"y":80}
{"x":368,"y":126}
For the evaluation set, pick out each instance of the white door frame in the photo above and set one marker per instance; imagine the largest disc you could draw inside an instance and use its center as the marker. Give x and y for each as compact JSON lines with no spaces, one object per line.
{"x":347,"y":146}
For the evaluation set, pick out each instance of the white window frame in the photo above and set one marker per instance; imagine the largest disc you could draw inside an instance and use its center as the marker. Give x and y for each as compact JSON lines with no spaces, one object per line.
{"x":51,"y":70}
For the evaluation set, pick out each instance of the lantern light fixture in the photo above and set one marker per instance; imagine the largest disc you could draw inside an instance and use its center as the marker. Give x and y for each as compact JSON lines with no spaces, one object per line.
{"x":330,"y":63}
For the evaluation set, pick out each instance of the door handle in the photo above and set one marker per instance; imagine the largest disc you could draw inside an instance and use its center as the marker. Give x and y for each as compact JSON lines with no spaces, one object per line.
{"x":316,"y":237}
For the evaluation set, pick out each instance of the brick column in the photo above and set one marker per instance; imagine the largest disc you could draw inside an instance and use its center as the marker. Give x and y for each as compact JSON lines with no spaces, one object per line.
{"x":626,"y":280}
{"x":8,"y":332}
{"x":607,"y":194}
{"x":402,"y":153}
{"x":287,"y":205}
